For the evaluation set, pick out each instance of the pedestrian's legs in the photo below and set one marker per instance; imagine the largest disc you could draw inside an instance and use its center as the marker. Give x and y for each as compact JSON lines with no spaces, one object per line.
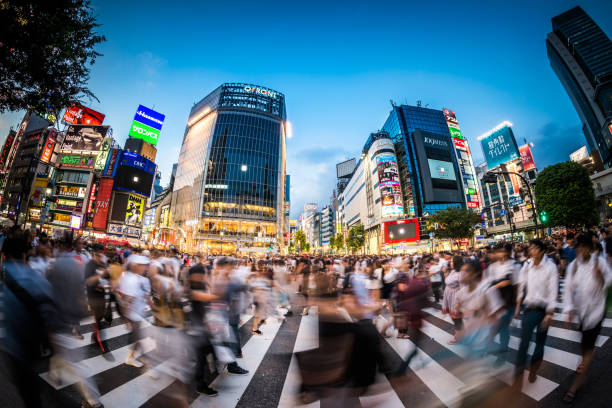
{"x":531,"y":319}
{"x":417,"y":338}
{"x":435,"y":287}
{"x":540,"y":339}
{"x":236,"y":348}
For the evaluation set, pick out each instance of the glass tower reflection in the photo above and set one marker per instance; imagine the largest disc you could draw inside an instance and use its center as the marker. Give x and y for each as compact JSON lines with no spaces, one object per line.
{"x":229,"y":187}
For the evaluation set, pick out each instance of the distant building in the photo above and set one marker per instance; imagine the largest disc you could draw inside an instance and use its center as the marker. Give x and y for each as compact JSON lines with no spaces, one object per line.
{"x":592,"y":161}
{"x":580,"y":53}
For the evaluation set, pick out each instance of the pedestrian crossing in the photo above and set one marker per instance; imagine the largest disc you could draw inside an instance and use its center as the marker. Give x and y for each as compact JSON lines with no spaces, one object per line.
{"x":440,"y":374}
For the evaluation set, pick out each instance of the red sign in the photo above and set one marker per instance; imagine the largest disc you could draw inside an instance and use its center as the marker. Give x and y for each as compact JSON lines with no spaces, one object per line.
{"x":460,"y":144}
{"x":402,"y":231}
{"x":92,"y":197}
{"x":82,"y":115}
{"x":472,"y":204}
{"x":104,"y":195}
{"x":111,"y":163}
{"x":48,"y":149}
{"x":7,"y":147}
{"x":527,"y":158}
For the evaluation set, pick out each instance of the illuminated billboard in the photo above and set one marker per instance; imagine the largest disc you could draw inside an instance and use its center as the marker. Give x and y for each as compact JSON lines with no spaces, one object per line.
{"x":499,"y":145}
{"x":135,"y":207}
{"x":527,"y":157}
{"x":84,"y":137}
{"x":102,"y":203}
{"x":440,"y":169}
{"x":77,"y":161}
{"x":82,"y":115}
{"x":47,"y":151}
{"x":147,"y":125}
{"x":107,"y":143}
{"x":401,"y":231}
{"x":135,"y":174}
{"x":389,"y":186}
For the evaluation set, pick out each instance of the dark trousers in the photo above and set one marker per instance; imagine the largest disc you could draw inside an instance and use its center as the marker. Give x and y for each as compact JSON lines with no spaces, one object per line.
{"x":417,"y":338}
{"x":503,"y":328}
{"x":532,"y":319}
{"x":235,"y":346}
{"x":203,"y":373}
{"x":436,"y":289}
{"x":98,"y":306}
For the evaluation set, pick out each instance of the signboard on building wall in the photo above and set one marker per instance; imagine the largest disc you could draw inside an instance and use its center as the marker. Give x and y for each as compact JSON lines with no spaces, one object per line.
{"x":109,"y":169}
{"x":7,"y":147}
{"x":389,"y":185}
{"x":82,"y":115}
{"x":147,"y":125}
{"x":401,"y":231}
{"x":84,"y":137}
{"x":346,"y":168}
{"x":499,"y":146}
{"x":578,"y":155}
{"x":77,"y":161}
{"x":107,"y":143}
{"x":123,"y":230}
{"x":47,"y":150}
{"x":102,"y":203}
{"x":135,"y":207}
{"x":527,"y":158}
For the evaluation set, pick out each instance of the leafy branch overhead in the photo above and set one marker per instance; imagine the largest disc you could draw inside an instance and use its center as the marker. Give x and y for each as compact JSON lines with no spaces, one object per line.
{"x":455,"y":223}
{"x":46,"y":50}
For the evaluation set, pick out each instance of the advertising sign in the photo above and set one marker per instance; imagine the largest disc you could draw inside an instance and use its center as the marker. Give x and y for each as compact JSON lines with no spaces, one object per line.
{"x":442,"y":170}
{"x":107,"y":143}
{"x":147,"y":125}
{"x":402,"y":231}
{"x":7,"y":147}
{"x":84,"y":137}
{"x":123,"y":230}
{"x":77,"y":161}
{"x":75,"y":221}
{"x":388,"y":183}
{"x":449,"y":115}
{"x":137,"y":161}
{"x":109,"y":169}
{"x":527,"y":158}
{"x":82,"y":115}
{"x":460,"y":144}
{"x":499,"y":146}
{"x":135,"y":207}
{"x":102,"y":203}
{"x":49,"y":146}
{"x":40,"y":185}
{"x":456,"y":133}
{"x":577,"y":156}
{"x":346,"y":168}
{"x":472,"y":204}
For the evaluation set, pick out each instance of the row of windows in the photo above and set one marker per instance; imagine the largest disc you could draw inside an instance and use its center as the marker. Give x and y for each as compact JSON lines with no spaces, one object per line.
{"x":78,"y":177}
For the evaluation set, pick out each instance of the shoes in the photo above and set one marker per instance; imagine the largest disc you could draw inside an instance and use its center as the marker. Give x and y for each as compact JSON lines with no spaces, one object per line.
{"x":86,"y":404}
{"x":108,"y":356}
{"x":236,"y":369}
{"x":257,"y":332}
{"x":239,"y":355}
{"x":533,"y":376}
{"x":152,"y":374}
{"x":131,"y":361}
{"x":262,"y":321}
{"x":289,"y":313}
{"x":206,"y":390}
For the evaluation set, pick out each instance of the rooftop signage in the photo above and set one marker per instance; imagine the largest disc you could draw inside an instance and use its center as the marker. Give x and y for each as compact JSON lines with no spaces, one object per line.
{"x":260,"y":91}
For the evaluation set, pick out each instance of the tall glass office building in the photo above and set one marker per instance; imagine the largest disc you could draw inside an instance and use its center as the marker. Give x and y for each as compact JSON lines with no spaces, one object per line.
{"x":230,"y":181}
{"x":429,"y":173}
{"x":580,"y":53}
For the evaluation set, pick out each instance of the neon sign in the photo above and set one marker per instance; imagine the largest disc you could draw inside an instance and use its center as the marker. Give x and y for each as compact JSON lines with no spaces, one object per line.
{"x":260,"y":91}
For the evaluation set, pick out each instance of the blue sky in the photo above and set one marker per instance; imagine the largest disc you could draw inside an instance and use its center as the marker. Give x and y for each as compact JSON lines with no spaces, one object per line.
{"x":338,"y":64}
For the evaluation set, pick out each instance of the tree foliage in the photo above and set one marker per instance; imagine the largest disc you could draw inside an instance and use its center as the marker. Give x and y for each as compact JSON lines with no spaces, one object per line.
{"x":356,"y":238}
{"x":565,"y":192}
{"x":339,"y":241}
{"x":46,"y":50}
{"x":455,"y":223}
{"x":300,"y":240}
{"x":332,"y":242}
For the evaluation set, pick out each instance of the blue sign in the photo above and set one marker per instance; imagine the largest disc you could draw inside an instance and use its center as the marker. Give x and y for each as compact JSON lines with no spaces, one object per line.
{"x":499,"y":147}
{"x":137,"y":161}
{"x":149,"y":117}
{"x":502,"y":212}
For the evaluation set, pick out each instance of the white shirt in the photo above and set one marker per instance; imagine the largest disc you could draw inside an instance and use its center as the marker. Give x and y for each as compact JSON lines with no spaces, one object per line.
{"x":583,"y":293}
{"x":499,"y":271}
{"x":540,"y":284}
{"x":434,"y":273}
{"x":478,"y":305}
{"x":138,"y":288}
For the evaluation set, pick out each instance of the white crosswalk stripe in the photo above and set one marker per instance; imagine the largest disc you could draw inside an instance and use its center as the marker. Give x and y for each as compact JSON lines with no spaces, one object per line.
{"x":445,"y":383}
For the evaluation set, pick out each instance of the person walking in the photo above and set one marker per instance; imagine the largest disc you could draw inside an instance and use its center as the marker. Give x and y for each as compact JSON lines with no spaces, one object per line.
{"x":449,"y":299}
{"x":96,"y":279}
{"x":587,"y":280}
{"x":537,"y":291}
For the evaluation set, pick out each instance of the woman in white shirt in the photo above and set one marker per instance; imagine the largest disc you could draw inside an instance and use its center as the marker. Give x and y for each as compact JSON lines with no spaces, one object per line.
{"x":586,"y":284}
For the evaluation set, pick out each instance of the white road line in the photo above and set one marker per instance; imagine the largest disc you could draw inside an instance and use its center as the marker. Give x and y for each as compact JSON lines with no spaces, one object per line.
{"x":381,"y":394}
{"x":607,"y":323}
{"x":231,"y":387}
{"x":96,"y":365}
{"x":107,"y":334}
{"x":91,"y":319}
{"x":537,"y":390}
{"x":441,"y":382}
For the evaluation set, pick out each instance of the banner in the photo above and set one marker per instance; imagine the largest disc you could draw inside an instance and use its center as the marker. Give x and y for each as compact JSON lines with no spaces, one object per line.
{"x":82,"y":115}
{"x":102,"y":203}
{"x":49,"y":146}
{"x":147,"y":125}
{"x":389,"y":185}
{"x":107,"y":143}
{"x":84,"y":137}
{"x":123,"y":230}
{"x":135,"y":208}
{"x":527,"y":158}
{"x":109,"y":168}
{"x":77,"y":161}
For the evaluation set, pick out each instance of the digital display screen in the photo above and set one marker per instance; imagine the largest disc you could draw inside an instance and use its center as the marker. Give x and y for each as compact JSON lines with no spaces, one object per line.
{"x":401,"y":231}
{"x":442,"y":170}
{"x":134,"y":180}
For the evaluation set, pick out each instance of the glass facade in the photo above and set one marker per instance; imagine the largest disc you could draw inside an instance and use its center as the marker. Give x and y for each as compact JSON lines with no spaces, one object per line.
{"x":401,"y":124}
{"x":230,"y":181}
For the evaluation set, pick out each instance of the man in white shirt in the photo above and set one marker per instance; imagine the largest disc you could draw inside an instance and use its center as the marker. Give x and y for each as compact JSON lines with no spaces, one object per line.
{"x":435,"y":277}
{"x":587,"y":280}
{"x":537,"y":291}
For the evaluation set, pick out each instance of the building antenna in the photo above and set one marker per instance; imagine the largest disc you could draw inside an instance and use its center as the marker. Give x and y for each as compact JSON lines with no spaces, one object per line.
{"x":419,"y":103}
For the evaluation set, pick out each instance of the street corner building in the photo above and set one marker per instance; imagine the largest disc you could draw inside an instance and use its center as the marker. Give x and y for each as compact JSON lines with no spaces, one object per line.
{"x":229,"y":193}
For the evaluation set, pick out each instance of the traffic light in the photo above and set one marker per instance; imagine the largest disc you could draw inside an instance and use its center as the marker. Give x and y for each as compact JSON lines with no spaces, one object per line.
{"x":543,"y":216}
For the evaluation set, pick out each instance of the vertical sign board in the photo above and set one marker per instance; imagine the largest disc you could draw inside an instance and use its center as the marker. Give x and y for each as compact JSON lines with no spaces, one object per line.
{"x":389,"y":185}
{"x":147,"y":125}
{"x":499,"y":146}
{"x":102,"y":203}
{"x":107,"y":143}
{"x":527,"y":158}
{"x":49,"y":146}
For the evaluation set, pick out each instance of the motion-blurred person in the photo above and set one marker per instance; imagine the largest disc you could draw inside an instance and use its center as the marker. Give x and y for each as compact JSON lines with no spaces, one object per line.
{"x":98,"y":286}
{"x":41,"y":260}
{"x":449,"y":299}
{"x":28,"y":314}
{"x":587,"y":280}
{"x":537,"y":291}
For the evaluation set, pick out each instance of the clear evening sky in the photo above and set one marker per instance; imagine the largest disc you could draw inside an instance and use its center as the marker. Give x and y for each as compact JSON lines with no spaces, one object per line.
{"x":338,"y":64}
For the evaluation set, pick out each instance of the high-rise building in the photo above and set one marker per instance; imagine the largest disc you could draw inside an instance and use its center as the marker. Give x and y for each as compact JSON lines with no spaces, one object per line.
{"x":431,"y":178}
{"x":229,"y":189}
{"x":580,"y":53}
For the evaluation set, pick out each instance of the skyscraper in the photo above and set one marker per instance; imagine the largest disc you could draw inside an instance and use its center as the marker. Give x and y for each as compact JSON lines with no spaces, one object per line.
{"x":580,"y":53}
{"x":229,"y":193}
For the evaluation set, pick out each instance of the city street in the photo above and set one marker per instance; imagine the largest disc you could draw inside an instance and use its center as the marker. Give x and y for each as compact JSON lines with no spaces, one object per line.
{"x":274,"y":380}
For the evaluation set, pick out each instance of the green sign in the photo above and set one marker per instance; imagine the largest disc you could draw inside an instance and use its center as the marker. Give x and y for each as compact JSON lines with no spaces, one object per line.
{"x":144,"y":132}
{"x":471,"y":190}
{"x":455,"y":133}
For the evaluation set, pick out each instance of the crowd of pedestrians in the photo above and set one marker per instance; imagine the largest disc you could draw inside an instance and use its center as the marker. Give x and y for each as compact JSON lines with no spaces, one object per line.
{"x":191,"y":308}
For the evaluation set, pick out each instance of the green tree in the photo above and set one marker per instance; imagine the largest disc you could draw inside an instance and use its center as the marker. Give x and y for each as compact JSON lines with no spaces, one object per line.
{"x":356,"y":238}
{"x":339,"y":241}
{"x":332,"y":242}
{"x":307,"y":247}
{"x":564,"y":191}
{"x":455,"y":223}
{"x":300,"y":240}
{"x":46,"y":51}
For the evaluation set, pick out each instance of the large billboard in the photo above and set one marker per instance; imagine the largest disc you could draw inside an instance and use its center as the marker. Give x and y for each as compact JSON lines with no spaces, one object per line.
{"x":346,"y":168}
{"x":135,"y":208}
{"x":389,"y":185}
{"x":134,"y":174}
{"x":401,"y":231}
{"x":527,"y":158}
{"x":77,"y":161}
{"x":84,"y":137}
{"x":147,"y":125}
{"x":107,"y":143}
{"x":82,"y":115}
{"x":102,"y":203}
{"x":499,"y":145}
